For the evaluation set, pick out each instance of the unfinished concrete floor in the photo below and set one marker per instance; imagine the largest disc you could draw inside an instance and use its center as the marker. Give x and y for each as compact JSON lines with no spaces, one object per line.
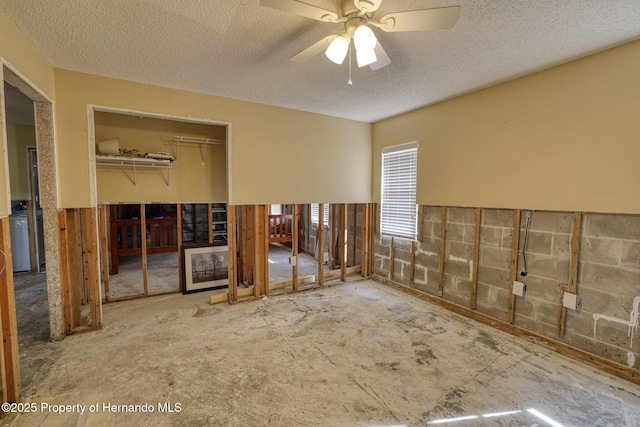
{"x":162,"y":276}
{"x":354,"y":354}
{"x":279,"y":267}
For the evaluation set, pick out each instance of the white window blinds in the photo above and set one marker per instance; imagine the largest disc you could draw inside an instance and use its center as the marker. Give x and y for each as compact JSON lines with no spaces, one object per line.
{"x":315,"y":213}
{"x":398,"y":210}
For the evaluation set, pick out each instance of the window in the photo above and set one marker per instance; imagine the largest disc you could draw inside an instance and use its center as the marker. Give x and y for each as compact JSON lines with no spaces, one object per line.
{"x":275,"y":210}
{"x":398,"y":209}
{"x":315,"y":213}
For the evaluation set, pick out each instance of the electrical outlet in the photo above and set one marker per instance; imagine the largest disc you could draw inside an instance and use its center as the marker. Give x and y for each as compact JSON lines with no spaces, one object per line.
{"x":570,"y":300}
{"x":293,"y":261}
{"x":519,"y":288}
{"x":326,"y":257}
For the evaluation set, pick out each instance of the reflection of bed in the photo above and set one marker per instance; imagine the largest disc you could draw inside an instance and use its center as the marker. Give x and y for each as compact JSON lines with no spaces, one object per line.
{"x":126,"y":239}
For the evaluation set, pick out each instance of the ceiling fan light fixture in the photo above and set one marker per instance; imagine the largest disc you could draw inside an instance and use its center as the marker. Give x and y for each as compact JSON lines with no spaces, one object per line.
{"x":365,"y":57}
{"x":363,"y":38}
{"x":338,"y":49}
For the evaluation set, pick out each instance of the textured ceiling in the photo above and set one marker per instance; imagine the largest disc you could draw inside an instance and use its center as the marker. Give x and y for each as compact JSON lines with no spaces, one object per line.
{"x":238,"y":49}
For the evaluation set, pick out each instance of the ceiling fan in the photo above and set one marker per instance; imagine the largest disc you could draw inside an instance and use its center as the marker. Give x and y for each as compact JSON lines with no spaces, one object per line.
{"x":357,"y":18}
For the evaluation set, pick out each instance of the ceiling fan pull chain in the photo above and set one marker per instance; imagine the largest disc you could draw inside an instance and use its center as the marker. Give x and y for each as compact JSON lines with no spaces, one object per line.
{"x":350,"y":83}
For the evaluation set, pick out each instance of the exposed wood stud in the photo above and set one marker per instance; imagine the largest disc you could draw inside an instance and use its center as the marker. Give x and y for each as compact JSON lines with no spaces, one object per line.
{"x":92,"y":273}
{"x":420,"y":234}
{"x":355,"y":233}
{"x":572,"y":285}
{"x":265,"y":243}
{"x":75,"y":271}
{"x":261,"y":276}
{"x":333,"y":244}
{"x":295,"y":249}
{"x":392,"y":260}
{"x":320,"y":244}
{"x":364,"y":257}
{"x":143,"y":236}
{"x":180,"y":260}
{"x":104,"y":249}
{"x":412,"y":267}
{"x":233,"y":261}
{"x":476,"y":258}
{"x":343,"y":242}
{"x":210,"y":222}
{"x":64,"y":272}
{"x":443,"y":241}
{"x":514,"y":263}
{"x":11,"y":373}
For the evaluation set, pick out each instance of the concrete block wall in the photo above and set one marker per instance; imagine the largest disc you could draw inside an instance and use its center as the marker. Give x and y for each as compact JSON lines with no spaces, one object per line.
{"x":608,"y":285}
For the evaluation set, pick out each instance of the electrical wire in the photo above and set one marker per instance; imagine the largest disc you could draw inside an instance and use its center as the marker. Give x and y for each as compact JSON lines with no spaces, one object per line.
{"x":526,"y":243}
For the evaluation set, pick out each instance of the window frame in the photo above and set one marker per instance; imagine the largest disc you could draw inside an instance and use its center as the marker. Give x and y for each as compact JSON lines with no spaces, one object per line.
{"x":402,"y":174}
{"x":316,"y":217}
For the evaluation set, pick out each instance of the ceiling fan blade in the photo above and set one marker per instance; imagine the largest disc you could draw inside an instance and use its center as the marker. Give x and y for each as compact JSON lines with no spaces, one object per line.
{"x":418,"y":20}
{"x":301,"y":9}
{"x":367,"y":6}
{"x":383,"y":58}
{"x":313,"y":50}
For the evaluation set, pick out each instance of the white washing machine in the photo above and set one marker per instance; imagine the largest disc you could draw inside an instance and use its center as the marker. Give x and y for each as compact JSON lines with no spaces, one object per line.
{"x":20,"y":242}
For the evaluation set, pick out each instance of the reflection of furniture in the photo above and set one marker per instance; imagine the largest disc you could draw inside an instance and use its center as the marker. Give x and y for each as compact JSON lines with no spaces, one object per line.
{"x":280,"y":228}
{"x":126,"y":239}
{"x":219,"y":222}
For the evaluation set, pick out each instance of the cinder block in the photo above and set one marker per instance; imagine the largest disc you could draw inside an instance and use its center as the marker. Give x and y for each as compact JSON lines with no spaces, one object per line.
{"x":561,"y":246}
{"x":541,"y":288}
{"x":461,"y":215}
{"x":433,"y":277}
{"x":610,"y":225}
{"x":547,"y":266}
{"x":470,"y":234}
{"x":607,"y":351}
{"x":497,"y":217}
{"x":600,"y":301}
{"x":420,"y":275}
{"x":491,"y":236}
{"x":427,"y":259}
{"x":543,"y":328}
{"x":455,"y":233}
{"x":497,"y":277}
{"x":538,"y":242}
{"x":599,"y":250}
{"x":402,"y":254}
{"x":457,"y":268}
{"x":630,"y":254}
{"x":459,"y":250}
{"x":613,"y":280}
{"x":381,"y":249}
{"x":433,"y":213}
{"x":495,"y":312}
{"x":495,"y":257}
{"x":556,"y":222}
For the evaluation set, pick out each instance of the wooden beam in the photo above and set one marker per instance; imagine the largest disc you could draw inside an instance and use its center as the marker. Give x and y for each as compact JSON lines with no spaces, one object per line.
{"x":412,"y":267}
{"x":114,"y":240}
{"x":476,"y":258}
{"x":372,"y":221}
{"x":572,"y":285}
{"x":333,"y":227}
{"x":210,"y":222}
{"x":93,"y":283}
{"x":343,"y":242}
{"x":265,"y":245}
{"x":295,"y":249}
{"x":392,"y":262}
{"x":514,"y":263}
{"x":75,"y":273}
{"x":104,"y":249}
{"x":11,"y":373}
{"x":420,"y":234}
{"x":233,"y":252}
{"x":143,"y":236}
{"x":320,"y":243}
{"x":179,"y":232}
{"x":249,"y":242}
{"x":261,"y":274}
{"x":364,"y":257}
{"x":64,"y":271}
{"x":443,"y":242}
{"x":355,"y":233}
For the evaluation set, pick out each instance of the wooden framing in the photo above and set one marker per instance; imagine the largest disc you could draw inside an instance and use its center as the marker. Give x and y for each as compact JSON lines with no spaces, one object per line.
{"x":572,"y":285}
{"x":75,"y":276}
{"x":10,"y":363}
{"x":143,"y":238}
{"x":443,"y":241}
{"x":343,"y":242}
{"x":334,"y":251}
{"x":104,"y":249}
{"x":392,"y":259}
{"x":64,"y":273}
{"x":320,"y":243}
{"x":180,"y":267}
{"x":366,"y":223}
{"x":420,"y":233}
{"x":295,"y":246}
{"x":412,"y":266}
{"x":233,"y":253}
{"x":476,"y":258}
{"x":261,"y":243}
{"x":514,"y":263}
{"x":92,"y":273}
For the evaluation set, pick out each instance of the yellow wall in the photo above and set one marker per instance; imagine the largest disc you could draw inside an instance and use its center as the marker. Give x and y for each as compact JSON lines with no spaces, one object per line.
{"x":567,"y":138}
{"x":19,"y":137}
{"x":278,"y":155}
{"x":21,"y":55}
{"x":190,"y":180}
